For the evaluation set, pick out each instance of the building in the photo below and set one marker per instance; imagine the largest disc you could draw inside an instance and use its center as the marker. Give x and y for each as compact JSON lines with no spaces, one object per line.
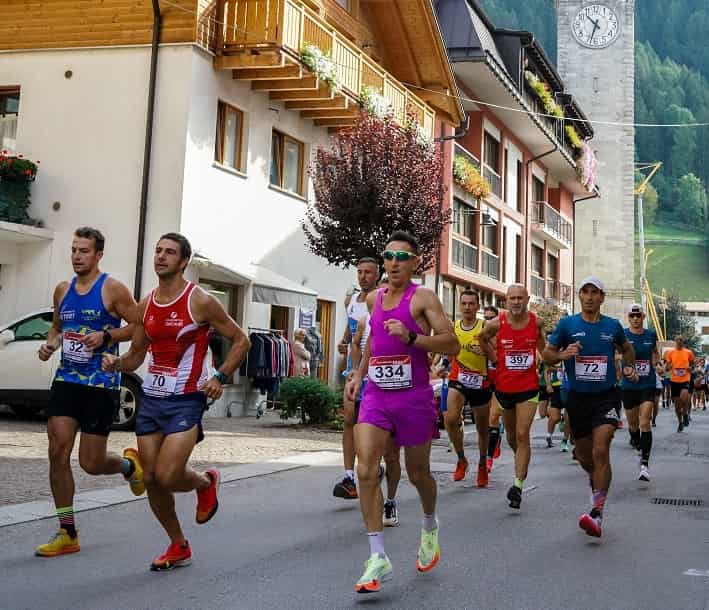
{"x":524,"y":230}
{"x":233,"y":116}
{"x":699,"y":313}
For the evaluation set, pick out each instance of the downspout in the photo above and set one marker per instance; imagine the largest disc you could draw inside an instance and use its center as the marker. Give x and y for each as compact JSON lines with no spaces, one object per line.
{"x":157,"y":23}
{"x":596,"y":193}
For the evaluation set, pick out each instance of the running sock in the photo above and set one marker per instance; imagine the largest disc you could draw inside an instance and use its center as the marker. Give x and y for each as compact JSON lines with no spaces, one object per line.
{"x":494,"y":440}
{"x":66,"y":520}
{"x":635,"y":436}
{"x":519,"y":483}
{"x":349,"y":474}
{"x":127,"y":468}
{"x":461,"y":454}
{"x":376,"y":543}
{"x":645,"y":447}
{"x":429,"y":522}
{"x":390,"y":502}
{"x":599,"y":502}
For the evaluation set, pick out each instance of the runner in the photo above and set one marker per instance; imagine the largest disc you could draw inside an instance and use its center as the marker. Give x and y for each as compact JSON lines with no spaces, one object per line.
{"x":494,"y":444}
{"x":519,"y":336}
{"x":699,"y":383}
{"x":659,"y":388}
{"x":398,"y":400}
{"x":679,"y":361}
{"x":174,"y":323}
{"x":86,"y":324}
{"x":639,"y":397}
{"x":586,"y":343}
{"x":544,"y":391}
{"x":468,"y":384}
{"x":552,"y":378}
{"x":356,"y":307}
{"x":667,"y":385}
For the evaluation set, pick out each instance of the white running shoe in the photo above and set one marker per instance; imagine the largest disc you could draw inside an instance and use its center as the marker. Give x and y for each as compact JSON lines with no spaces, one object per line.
{"x":391,"y":515}
{"x":644,"y":474}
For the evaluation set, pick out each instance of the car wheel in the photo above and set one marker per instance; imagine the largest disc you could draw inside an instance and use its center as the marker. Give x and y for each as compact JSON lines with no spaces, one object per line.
{"x":25,"y":410}
{"x":131,"y":396}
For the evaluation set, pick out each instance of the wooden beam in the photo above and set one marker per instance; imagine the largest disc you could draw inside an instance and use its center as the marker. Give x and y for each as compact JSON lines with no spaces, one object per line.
{"x":307,"y":82}
{"x":341,"y":122}
{"x":275,"y":72}
{"x":336,"y":102}
{"x":333,"y":113}
{"x":304,"y":94}
{"x":247,"y":60}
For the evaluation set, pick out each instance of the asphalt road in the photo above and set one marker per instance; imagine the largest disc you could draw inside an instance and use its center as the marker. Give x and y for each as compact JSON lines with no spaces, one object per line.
{"x":282,"y":541}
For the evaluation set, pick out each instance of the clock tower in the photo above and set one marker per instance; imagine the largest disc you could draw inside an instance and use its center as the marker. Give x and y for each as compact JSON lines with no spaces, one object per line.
{"x":596,"y":60}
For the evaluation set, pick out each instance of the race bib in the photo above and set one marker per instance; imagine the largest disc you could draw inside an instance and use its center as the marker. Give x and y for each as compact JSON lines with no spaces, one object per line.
{"x":680,"y":372}
{"x":591,"y":368}
{"x":518,"y":361}
{"x":470,"y":379}
{"x":642,"y":367}
{"x":160,"y":381}
{"x":74,"y":349}
{"x":391,"y":372}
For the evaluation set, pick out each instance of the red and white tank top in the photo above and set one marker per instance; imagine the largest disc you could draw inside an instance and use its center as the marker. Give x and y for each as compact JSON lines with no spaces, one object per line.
{"x":179,"y":347}
{"x":517,"y":357}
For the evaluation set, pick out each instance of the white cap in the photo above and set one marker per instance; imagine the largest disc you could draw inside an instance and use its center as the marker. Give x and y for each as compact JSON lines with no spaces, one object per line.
{"x":635,"y":308}
{"x":593,"y":281}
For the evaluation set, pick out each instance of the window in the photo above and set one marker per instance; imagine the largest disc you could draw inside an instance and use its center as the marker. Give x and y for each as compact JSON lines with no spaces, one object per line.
{"x":538,"y":189}
{"x":35,"y":328}
{"x":490,"y":237}
{"x":287,"y":163}
{"x":345,"y":4}
{"x":518,"y":259}
{"x":552,"y":267}
{"x":463,"y":222}
{"x":492,"y":153}
{"x":230,"y":127}
{"x":537,"y":260}
{"x":705,"y":330}
{"x":9,"y":111}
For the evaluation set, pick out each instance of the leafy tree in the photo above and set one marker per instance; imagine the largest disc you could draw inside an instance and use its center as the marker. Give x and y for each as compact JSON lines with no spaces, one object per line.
{"x":691,"y":200}
{"x":650,"y":201}
{"x":376,"y":178}
{"x":678,"y":321}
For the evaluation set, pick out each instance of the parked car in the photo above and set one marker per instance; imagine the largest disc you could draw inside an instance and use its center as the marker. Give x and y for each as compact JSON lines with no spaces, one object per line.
{"x":25,"y":380}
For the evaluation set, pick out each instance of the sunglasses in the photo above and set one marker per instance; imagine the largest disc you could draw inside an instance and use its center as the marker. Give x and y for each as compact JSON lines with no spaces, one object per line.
{"x":635,"y":315}
{"x":400,"y":255}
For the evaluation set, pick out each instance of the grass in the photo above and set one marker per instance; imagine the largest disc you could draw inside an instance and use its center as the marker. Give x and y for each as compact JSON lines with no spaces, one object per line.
{"x":674,"y":233}
{"x":680,"y":269}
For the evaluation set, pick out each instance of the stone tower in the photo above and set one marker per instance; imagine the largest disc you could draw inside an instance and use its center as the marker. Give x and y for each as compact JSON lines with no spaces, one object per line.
{"x":596,"y":60}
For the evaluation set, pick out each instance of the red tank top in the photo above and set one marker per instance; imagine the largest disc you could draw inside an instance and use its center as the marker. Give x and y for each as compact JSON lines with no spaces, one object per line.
{"x":517,"y":357}
{"x":179,"y":347}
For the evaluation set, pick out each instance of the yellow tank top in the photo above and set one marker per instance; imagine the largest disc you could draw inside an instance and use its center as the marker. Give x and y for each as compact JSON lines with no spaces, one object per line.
{"x":469,"y":339}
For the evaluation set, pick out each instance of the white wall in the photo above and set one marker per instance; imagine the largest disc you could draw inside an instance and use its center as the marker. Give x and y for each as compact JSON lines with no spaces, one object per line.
{"x":513,"y":229}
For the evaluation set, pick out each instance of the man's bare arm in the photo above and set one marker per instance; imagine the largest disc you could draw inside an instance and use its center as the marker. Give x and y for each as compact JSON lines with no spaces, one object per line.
{"x":126,"y":308}
{"x":444,"y":340}
{"x":135,"y":355}
{"x":541,"y":340}
{"x":487,"y":334}
{"x":54,"y":336}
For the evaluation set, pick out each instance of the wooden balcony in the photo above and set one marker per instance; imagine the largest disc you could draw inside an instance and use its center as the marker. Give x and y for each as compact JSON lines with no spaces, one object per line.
{"x":261,"y":41}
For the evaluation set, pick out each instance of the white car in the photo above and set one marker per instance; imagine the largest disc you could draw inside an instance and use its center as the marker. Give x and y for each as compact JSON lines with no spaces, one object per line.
{"x":25,"y":380}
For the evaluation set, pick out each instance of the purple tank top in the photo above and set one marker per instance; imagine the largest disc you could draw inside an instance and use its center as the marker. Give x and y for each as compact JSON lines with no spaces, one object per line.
{"x":398,"y":372}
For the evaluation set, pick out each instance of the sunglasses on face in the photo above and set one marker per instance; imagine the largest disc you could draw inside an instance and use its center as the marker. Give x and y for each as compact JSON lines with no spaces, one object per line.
{"x":635,"y":315}
{"x":399,"y":255}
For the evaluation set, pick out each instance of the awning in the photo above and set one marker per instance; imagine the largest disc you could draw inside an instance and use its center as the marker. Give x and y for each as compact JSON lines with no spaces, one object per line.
{"x":210,"y":270}
{"x":23,"y":234}
{"x":275,"y":289}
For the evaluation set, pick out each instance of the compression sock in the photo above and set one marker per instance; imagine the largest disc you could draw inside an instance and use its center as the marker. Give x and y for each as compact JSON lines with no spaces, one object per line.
{"x":461,"y":454}
{"x":66,"y":520}
{"x":376,"y":543}
{"x":645,"y":447}
{"x":430,"y":522}
{"x":635,"y":436}
{"x":599,"y":503}
{"x":494,"y":440}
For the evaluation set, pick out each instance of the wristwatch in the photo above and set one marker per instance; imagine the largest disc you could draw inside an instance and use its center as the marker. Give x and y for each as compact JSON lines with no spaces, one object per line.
{"x":412,"y":337}
{"x":220,"y":377}
{"x":107,"y":337}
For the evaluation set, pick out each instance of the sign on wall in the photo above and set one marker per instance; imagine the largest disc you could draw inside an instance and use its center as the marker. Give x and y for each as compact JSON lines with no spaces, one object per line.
{"x":307,"y":318}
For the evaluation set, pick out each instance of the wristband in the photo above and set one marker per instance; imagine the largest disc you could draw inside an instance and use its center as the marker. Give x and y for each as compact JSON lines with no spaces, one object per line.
{"x":106,"y":337}
{"x":220,"y":377}
{"x":412,"y":338}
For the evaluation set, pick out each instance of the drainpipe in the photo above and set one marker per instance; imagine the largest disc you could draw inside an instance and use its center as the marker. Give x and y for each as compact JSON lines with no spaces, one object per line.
{"x":596,"y":193}
{"x":157,"y":23}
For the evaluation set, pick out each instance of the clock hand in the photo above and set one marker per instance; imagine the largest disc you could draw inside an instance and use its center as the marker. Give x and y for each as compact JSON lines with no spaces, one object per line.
{"x":593,"y":33}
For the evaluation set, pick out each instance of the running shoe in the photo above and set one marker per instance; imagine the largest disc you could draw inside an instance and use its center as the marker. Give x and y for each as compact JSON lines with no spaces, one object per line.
{"x":590,"y":525}
{"x":178,"y":554}
{"x":59,"y":544}
{"x":635,"y":444}
{"x":550,"y":444}
{"x":347,"y":489}
{"x":490,"y":462}
{"x":429,"y":551}
{"x":644,"y":473}
{"x":482,"y":476}
{"x":207,"y":503}
{"x":654,"y":424}
{"x":680,"y":427}
{"x":514,"y":495}
{"x":686,"y":421}
{"x":377,"y":569}
{"x":461,"y":469}
{"x":498,"y":450}
{"x":136,"y":479}
{"x":391,"y":514}
{"x":564,"y":447}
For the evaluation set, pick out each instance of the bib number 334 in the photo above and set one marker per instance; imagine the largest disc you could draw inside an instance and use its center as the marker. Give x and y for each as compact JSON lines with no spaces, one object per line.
{"x":391,"y":372}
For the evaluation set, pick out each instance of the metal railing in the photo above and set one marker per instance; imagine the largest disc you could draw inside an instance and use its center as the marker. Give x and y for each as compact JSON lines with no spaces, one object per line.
{"x":552,"y":222}
{"x":464,"y":255}
{"x":537,"y":287}
{"x":559,"y":292}
{"x":494,"y":179}
{"x":490,"y":264}
{"x":290,"y":25}
{"x":459,"y":150}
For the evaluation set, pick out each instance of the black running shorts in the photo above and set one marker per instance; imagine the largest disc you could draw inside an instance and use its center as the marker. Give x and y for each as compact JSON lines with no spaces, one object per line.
{"x":510,"y":401}
{"x":590,"y":410}
{"x":555,"y":401}
{"x":676,"y":388}
{"x":634,"y":398}
{"x":94,"y":408}
{"x":474,"y":398}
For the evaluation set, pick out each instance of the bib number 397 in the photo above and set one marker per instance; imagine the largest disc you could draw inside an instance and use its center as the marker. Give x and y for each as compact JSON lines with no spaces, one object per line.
{"x":73,"y":347}
{"x":160,"y":381}
{"x":518,"y":361}
{"x":391,"y":372}
{"x":591,"y":368}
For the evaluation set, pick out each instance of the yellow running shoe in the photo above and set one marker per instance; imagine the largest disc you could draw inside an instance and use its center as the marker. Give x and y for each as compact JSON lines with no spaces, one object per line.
{"x":429,"y":551}
{"x":60,"y":544}
{"x":136,"y":480}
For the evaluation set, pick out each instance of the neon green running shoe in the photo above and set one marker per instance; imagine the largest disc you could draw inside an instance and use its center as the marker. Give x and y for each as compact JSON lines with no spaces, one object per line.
{"x":377,"y":569}
{"x":429,"y":551}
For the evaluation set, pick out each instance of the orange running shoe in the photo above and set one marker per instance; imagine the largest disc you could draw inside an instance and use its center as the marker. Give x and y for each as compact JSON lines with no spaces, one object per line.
{"x":207,"y":503}
{"x":496,"y":455}
{"x":482,"y":476}
{"x":461,"y":469}
{"x":177,"y":555}
{"x":489,"y":464}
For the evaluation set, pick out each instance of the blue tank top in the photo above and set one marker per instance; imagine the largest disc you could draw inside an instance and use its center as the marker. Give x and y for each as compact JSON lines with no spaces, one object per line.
{"x":644,"y":345}
{"x":81,"y":315}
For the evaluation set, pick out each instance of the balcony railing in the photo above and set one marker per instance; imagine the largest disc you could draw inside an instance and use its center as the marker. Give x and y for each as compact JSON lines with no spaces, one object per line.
{"x":494,"y":179}
{"x":537,"y":287}
{"x":490,"y":265}
{"x":262,"y":25}
{"x":554,"y":125}
{"x":552,"y":222}
{"x":559,"y":293}
{"x":465,"y":255}
{"x":459,"y":150}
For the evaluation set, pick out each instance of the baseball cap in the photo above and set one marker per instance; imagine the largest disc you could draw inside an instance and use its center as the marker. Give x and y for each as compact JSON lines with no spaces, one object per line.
{"x":635,"y":308}
{"x":593,"y":281}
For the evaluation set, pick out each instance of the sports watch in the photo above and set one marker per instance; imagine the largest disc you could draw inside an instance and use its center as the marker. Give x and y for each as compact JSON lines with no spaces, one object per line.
{"x":220,"y":377}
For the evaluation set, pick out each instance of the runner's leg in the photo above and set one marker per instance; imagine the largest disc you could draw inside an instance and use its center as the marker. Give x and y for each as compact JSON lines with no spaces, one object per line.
{"x":93,"y":457}
{"x":633,"y":426}
{"x":171,"y":470}
{"x":524,"y":412}
{"x":554,"y":419}
{"x":392,"y":460}
{"x":371,"y":447}
{"x":347,"y":487}
{"x":61,"y":432}
{"x":455,"y":403}
{"x":645,"y":417}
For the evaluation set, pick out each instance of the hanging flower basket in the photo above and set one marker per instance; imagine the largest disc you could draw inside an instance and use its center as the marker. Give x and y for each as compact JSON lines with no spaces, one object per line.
{"x":586,"y":166}
{"x":375,"y":103}
{"x":574,"y":137}
{"x":320,"y":64}
{"x":16,"y":176}
{"x":468,"y":177}
{"x":544,"y":94}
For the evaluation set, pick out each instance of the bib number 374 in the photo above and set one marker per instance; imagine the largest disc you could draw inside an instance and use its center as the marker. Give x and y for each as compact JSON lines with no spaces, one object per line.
{"x":391,"y":372}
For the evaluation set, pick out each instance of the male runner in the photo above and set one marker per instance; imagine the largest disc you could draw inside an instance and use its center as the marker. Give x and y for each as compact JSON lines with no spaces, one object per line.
{"x":86,"y":324}
{"x":468,"y":383}
{"x":398,"y":400}
{"x":639,"y":397}
{"x":356,"y":307}
{"x":494,"y":444}
{"x":586,"y":343}
{"x":679,"y":362}
{"x":174,"y":321}
{"x":519,"y":336}
{"x":552,"y":380}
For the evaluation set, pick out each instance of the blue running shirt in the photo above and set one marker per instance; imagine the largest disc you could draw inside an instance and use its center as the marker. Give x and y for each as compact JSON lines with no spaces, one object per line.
{"x":593,"y":370}
{"x":644,"y":345}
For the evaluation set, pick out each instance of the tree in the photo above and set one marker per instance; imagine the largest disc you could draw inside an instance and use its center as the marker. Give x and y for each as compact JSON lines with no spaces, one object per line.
{"x":678,"y":321}
{"x":376,"y":178}
{"x":650,"y":201}
{"x":691,"y":200}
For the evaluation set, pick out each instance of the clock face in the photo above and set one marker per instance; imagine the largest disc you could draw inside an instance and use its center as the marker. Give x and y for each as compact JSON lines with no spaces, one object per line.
{"x":596,"y":26}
